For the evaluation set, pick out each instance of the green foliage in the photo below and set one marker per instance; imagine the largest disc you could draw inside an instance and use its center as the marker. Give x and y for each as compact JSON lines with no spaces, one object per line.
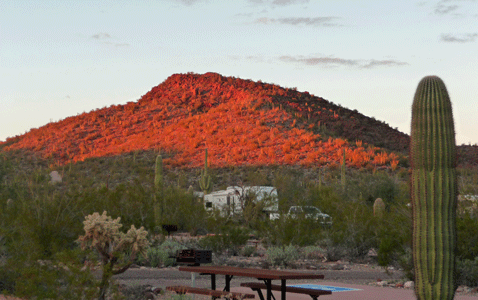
{"x":433,"y":190}
{"x":248,"y":251}
{"x":300,"y":232}
{"x":161,"y":255}
{"x":282,"y":256}
{"x":229,"y":239}
{"x":467,"y":234}
{"x":313,"y":252}
{"x":61,"y":277}
{"x":467,"y":272}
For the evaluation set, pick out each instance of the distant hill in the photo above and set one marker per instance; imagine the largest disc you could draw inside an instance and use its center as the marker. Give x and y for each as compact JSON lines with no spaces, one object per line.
{"x":240,"y":122}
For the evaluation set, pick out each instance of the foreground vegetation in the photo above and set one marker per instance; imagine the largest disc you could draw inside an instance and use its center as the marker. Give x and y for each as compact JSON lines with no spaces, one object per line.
{"x":40,"y":222}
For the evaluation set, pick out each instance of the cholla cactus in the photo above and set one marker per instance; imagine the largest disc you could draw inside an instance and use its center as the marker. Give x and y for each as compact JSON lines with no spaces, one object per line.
{"x":117,"y":249}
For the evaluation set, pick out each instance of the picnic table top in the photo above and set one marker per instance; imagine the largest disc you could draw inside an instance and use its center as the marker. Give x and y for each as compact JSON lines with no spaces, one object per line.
{"x":251,"y":272}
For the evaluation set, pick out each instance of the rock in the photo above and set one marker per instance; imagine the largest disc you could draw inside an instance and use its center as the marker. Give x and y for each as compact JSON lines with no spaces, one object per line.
{"x":409,"y":285}
{"x":55,"y":177}
{"x":337,"y":267}
{"x":382,"y":283}
{"x":372,"y":253}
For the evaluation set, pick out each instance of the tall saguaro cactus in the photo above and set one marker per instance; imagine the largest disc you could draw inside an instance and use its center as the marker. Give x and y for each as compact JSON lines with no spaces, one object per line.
{"x":205,"y":179}
{"x":433,"y":190}
{"x":342,"y":172}
{"x":158,"y":185}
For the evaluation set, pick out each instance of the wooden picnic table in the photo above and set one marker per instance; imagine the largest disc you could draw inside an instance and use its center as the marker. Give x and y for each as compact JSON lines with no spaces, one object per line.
{"x":262,"y":274}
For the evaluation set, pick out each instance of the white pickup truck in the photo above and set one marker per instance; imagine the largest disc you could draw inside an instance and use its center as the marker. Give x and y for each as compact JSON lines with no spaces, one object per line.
{"x":308,"y":212}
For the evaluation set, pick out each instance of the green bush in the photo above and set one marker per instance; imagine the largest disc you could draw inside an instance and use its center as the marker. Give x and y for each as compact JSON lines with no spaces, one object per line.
{"x":467,"y":234}
{"x":161,"y":255}
{"x":467,"y":272}
{"x":248,"y":251}
{"x":61,"y":277}
{"x":393,"y":237}
{"x":313,"y":252}
{"x":229,"y":238}
{"x":282,"y":256}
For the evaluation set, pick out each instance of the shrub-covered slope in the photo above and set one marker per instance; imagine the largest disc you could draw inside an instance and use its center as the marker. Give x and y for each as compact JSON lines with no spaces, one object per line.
{"x":240,"y":122}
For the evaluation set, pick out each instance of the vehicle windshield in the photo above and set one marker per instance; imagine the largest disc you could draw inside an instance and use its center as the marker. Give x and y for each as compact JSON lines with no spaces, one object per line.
{"x":311,"y":210}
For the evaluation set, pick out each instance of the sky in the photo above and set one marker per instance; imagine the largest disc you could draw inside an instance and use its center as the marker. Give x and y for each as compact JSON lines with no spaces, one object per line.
{"x":60,"y":58}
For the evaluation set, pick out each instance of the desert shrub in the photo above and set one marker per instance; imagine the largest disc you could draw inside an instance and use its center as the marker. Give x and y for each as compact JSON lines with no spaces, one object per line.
{"x":39,"y":218}
{"x":467,"y":272}
{"x":313,"y":252}
{"x":405,"y":262}
{"x":60,"y":277}
{"x":181,"y":208}
{"x":230,"y":238}
{"x":282,"y":256}
{"x":248,"y":251}
{"x":352,"y":233}
{"x":161,"y":255}
{"x":393,"y":233}
{"x":467,"y":234}
{"x":299,"y":232}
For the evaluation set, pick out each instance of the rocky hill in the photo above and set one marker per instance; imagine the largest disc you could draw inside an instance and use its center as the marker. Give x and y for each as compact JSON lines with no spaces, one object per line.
{"x":240,"y":122}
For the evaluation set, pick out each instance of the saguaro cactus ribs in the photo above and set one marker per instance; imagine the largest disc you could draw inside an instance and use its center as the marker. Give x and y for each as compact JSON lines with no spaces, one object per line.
{"x":433,"y":190}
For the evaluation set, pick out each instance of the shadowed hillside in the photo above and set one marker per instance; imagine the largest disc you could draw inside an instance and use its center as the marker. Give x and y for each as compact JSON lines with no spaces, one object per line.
{"x":240,"y":122}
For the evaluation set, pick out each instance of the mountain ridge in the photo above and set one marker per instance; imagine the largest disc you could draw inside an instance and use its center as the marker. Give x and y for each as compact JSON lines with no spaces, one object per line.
{"x":241,"y":122}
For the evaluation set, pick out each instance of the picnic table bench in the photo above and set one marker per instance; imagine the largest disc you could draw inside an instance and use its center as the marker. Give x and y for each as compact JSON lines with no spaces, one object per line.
{"x":261,"y":274}
{"x":179,"y":289}
{"x":257,"y":287}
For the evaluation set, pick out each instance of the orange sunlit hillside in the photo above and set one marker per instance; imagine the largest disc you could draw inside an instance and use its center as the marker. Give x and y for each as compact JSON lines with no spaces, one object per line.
{"x":240,"y":122}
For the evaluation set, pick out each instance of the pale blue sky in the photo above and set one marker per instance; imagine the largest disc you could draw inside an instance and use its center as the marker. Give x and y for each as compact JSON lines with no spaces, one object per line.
{"x":64,"y":57}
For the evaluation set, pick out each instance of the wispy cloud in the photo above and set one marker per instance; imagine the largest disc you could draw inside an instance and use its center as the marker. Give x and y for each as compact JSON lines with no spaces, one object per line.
{"x":106,"y":39}
{"x":328,"y":61}
{"x":101,"y":36}
{"x":449,"y":7}
{"x":443,"y":9}
{"x":187,"y":2}
{"x":312,"y":61}
{"x":467,"y":38}
{"x":318,"y":21}
{"x":387,"y":63}
{"x":279,"y":2}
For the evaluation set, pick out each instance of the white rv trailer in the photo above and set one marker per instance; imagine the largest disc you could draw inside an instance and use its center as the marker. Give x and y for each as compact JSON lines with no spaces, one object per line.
{"x":231,"y":200}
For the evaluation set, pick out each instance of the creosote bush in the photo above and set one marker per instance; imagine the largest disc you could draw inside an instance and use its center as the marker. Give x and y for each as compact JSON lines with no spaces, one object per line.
{"x":282,"y":256}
